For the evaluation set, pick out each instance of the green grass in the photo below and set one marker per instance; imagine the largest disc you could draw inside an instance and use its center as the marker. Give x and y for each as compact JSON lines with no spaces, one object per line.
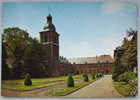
{"x":21,"y":86}
{"x":37,"y":83}
{"x":66,"y":90}
{"x":42,"y":82}
{"x":123,"y":88}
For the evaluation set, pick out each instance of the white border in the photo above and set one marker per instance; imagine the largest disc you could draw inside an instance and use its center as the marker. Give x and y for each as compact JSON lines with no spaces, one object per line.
{"x":137,"y":2}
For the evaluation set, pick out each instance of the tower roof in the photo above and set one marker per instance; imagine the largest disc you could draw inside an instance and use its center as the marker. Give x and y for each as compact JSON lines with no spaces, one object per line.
{"x":49,"y":25}
{"x":49,"y":15}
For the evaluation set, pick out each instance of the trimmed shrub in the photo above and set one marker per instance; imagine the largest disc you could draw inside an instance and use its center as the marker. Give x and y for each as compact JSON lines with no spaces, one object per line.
{"x":93,"y":76}
{"x":127,"y":76}
{"x":85,"y":77}
{"x":27,"y":80}
{"x":70,"y":81}
{"x":97,"y":75}
{"x":101,"y":74}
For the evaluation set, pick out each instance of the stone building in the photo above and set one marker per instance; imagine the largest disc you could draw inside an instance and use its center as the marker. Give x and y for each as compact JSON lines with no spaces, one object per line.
{"x":49,"y":39}
{"x":50,"y":47}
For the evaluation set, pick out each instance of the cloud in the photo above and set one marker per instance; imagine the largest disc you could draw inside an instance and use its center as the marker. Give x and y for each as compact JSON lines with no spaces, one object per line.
{"x":105,"y":45}
{"x":111,"y":7}
{"x":82,"y":49}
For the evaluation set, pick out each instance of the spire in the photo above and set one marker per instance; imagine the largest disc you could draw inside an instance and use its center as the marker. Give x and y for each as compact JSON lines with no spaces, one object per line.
{"x":49,"y":25}
{"x":49,"y":19}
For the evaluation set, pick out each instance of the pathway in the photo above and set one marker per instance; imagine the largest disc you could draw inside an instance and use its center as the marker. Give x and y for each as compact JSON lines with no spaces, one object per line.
{"x":102,"y":88}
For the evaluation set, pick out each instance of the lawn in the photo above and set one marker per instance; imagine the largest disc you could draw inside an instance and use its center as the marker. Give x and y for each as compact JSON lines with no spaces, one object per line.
{"x":37,"y":82}
{"x":67,"y":90}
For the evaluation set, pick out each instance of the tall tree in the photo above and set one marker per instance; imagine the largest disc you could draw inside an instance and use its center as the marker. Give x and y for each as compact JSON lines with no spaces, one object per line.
{"x":15,"y":44}
{"x":24,"y":54}
{"x":5,"y":68}
{"x":127,"y":61}
{"x":34,"y":62}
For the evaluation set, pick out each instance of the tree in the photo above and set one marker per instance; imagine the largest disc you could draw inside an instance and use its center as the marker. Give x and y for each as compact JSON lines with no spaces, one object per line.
{"x":5,"y":68}
{"x":126,"y":55}
{"x":34,"y":62}
{"x":24,"y":54}
{"x":15,"y":43}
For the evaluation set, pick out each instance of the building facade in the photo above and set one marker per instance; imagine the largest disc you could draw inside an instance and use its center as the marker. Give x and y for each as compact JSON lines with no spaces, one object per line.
{"x":49,"y":39}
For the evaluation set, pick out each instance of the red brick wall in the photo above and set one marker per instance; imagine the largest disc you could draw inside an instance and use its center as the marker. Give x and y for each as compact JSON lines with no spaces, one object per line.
{"x":105,"y":68}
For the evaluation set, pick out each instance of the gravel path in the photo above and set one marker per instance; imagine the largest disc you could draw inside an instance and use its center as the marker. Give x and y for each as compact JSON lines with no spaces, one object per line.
{"x":32,"y":93}
{"x":102,"y":88}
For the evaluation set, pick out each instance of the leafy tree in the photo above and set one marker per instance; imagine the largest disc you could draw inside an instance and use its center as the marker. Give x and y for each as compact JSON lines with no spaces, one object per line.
{"x":126,"y":55}
{"x":5,"y":68}
{"x":24,"y":54}
{"x":16,"y":43}
{"x":63,"y":60}
{"x":34,"y":60}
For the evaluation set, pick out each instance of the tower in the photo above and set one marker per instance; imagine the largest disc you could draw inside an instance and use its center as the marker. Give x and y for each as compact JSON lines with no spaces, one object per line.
{"x":50,"y":42}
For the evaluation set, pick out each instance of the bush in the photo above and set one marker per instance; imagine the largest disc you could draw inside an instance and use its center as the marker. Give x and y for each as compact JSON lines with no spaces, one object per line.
{"x":134,"y":87}
{"x":85,"y":77}
{"x":28,"y":80}
{"x":93,"y":76}
{"x":70,"y":81}
{"x":101,"y":74}
{"x":115,"y":76}
{"x":127,"y":76}
{"x":98,"y":75}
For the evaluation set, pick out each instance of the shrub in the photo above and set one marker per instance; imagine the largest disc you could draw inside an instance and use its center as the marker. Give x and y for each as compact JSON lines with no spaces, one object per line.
{"x":28,"y":80}
{"x":93,"y":76}
{"x":85,"y":77}
{"x":134,"y":87}
{"x":70,"y":81}
{"x":115,"y":76}
{"x":101,"y":74}
{"x":97,"y":75}
{"x":127,"y":76}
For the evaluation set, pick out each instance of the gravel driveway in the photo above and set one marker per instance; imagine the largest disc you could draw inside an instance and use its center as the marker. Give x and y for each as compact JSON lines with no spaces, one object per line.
{"x":102,"y":88}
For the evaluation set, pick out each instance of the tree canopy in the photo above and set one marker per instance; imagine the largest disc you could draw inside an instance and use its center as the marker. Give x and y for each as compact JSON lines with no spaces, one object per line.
{"x":126,"y":55}
{"x":23,"y":53}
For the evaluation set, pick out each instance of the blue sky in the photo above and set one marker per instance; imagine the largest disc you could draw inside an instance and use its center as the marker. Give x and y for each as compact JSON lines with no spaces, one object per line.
{"x":86,"y":28}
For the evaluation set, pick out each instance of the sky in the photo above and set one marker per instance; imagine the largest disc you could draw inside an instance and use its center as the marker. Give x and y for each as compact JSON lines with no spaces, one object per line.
{"x":86,"y":29}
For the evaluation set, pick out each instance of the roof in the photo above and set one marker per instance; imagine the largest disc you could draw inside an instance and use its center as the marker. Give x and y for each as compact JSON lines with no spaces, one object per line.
{"x":89,"y":60}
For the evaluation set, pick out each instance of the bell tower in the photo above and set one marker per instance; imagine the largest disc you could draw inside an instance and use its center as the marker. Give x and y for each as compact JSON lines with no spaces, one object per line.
{"x":50,"y":43}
